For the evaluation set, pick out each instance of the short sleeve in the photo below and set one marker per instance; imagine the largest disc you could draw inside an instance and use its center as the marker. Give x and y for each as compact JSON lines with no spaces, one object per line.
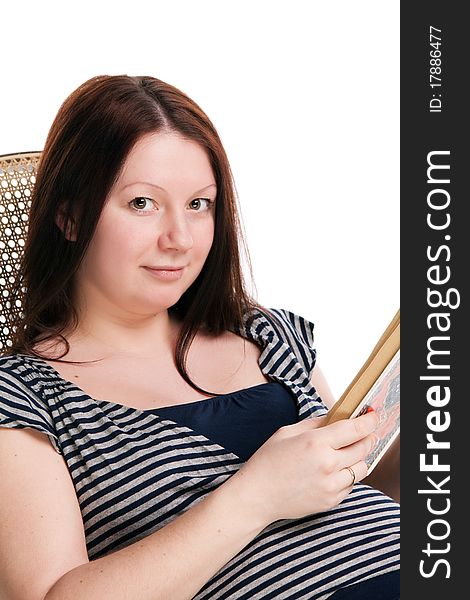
{"x":299,"y":332}
{"x":296,"y":332}
{"x":20,"y":407}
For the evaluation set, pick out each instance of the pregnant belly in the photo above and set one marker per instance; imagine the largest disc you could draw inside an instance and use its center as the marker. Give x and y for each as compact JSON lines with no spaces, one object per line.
{"x":314,"y":556}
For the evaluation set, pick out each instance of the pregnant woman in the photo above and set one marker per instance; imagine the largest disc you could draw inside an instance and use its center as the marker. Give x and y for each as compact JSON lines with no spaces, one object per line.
{"x":161,"y":433}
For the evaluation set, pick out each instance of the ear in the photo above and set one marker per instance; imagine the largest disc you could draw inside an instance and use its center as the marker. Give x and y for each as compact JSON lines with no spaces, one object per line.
{"x":69,"y":228}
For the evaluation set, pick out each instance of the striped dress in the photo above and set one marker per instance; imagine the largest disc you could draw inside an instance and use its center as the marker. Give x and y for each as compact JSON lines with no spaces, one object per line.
{"x":135,"y":471}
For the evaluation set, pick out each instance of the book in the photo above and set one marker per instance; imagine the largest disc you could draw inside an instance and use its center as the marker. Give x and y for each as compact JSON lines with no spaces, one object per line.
{"x":376,"y":385}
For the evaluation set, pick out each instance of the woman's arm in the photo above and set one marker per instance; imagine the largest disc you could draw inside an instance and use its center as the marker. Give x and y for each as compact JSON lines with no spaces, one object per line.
{"x":174,"y":562}
{"x":386,"y":475}
{"x":321,"y":385}
{"x":43,"y":555}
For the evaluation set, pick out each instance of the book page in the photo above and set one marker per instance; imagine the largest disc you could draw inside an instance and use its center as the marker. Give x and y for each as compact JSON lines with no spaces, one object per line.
{"x":384,"y":398}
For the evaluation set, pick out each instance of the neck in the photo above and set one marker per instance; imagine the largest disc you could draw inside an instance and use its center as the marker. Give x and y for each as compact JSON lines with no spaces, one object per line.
{"x":109,"y":338}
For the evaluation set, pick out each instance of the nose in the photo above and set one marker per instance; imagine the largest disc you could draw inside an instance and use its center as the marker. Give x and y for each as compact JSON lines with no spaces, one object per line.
{"x":175,"y":232}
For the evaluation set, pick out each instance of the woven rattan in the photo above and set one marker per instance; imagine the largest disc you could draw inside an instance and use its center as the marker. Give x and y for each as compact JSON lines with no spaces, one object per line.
{"x":17,"y":179}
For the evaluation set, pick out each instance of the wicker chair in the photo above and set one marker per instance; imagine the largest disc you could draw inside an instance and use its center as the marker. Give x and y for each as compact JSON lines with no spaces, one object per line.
{"x":17,"y":178}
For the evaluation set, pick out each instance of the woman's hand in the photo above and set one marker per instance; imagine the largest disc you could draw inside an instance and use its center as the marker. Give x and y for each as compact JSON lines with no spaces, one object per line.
{"x":386,"y":475}
{"x":302,"y":468}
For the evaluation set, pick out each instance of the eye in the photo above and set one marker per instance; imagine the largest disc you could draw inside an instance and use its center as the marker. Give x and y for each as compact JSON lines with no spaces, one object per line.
{"x":139,"y":203}
{"x":208,"y":202}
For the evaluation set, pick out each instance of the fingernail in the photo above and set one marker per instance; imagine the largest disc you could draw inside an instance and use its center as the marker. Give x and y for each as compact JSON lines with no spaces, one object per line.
{"x":372,"y":411}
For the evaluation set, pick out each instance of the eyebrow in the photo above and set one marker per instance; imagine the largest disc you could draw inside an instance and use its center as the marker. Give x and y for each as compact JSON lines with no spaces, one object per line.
{"x":162,"y":188}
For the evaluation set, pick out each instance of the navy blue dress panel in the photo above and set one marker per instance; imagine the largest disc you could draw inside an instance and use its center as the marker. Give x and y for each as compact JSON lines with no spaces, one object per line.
{"x":240,"y":421}
{"x":382,"y":587}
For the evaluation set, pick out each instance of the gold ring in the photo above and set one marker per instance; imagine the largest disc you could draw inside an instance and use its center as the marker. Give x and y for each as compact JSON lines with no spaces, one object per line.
{"x":353,"y":475}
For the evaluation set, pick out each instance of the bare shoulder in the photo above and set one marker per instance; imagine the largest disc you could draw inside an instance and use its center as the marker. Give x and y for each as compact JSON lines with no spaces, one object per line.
{"x":227,"y":360}
{"x":229,"y":349}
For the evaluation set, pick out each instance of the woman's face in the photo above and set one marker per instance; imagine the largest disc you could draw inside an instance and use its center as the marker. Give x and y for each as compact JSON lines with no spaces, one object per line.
{"x":159,"y":214}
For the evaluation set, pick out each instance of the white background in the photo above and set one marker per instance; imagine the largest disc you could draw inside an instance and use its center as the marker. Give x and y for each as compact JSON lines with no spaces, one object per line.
{"x":305,"y":96}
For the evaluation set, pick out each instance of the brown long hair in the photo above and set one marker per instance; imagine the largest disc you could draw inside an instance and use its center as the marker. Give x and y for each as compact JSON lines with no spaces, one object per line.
{"x":94,"y":130}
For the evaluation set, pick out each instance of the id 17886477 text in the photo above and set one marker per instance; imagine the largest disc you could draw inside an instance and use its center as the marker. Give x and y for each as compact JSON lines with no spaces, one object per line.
{"x":435,"y":69}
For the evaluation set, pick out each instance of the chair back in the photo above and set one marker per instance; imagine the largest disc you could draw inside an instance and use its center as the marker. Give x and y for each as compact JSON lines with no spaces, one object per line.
{"x":17,"y":179}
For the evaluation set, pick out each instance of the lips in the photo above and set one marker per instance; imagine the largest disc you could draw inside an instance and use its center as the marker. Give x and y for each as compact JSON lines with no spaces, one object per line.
{"x":171,"y":274}
{"x":166,"y":268}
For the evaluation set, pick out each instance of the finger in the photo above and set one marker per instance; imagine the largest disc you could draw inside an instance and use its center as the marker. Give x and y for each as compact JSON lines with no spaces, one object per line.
{"x":356,"y":452}
{"x":360,"y":469}
{"x":347,"y":431}
{"x":353,"y":474}
{"x":305,"y":425}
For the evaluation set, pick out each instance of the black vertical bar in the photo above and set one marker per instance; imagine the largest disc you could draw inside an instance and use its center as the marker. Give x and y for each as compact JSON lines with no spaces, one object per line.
{"x":434,"y":299}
